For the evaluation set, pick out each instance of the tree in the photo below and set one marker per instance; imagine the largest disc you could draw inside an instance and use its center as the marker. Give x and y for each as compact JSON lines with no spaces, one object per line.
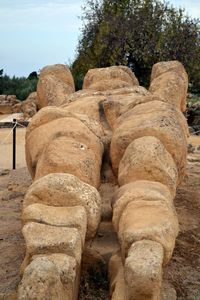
{"x":137,"y":33}
{"x":33,"y":75}
{"x":19,"y":86}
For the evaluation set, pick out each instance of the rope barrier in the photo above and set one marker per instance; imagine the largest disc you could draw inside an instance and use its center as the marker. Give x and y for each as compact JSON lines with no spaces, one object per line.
{"x":21,"y":125}
{"x":8,"y":134}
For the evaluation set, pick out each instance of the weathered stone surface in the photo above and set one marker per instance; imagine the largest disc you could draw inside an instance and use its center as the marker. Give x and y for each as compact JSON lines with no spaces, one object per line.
{"x":88,"y":105}
{"x":52,"y":91}
{"x":118,"y":287}
{"x":29,"y":106}
{"x":168,"y":291}
{"x":147,"y":159}
{"x":67,"y":190}
{"x":152,"y":220}
{"x":61,"y":72}
{"x":169,"y":81}
{"x":74,"y":217}
{"x":115,"y":77}
{"x":156,"y":119}
{"x":46,"y":239}
{"x":117,"y":104}
{"x":167,"y":66}
{"x":43,"y":279}
{"x":51,"y":113}
{"x":141,"y":190}
{"x":54,"y":84}
{"x":9,"y":104}
{"x":143,"y":270}
{"x":44,"y":144}
{"x":69,"y":271}
{"x":171,"y":89}
{"x":66,"y":155}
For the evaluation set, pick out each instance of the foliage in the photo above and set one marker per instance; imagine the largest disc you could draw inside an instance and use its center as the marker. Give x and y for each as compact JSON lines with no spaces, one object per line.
{"x":19,"y":86}
{"x":137,"y":33}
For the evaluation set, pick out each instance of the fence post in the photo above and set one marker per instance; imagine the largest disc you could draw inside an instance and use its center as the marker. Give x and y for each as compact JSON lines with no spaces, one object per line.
{"x":14,"y":143}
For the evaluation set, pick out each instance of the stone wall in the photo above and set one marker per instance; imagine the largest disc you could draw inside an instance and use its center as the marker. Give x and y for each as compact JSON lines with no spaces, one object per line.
{"x":65,"y":142}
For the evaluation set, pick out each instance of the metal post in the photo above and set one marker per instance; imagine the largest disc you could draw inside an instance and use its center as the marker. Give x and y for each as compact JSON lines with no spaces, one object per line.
{"x":14,"y":143}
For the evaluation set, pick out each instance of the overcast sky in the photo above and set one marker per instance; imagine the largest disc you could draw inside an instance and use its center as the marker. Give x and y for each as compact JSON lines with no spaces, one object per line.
{"x":35,"y":33}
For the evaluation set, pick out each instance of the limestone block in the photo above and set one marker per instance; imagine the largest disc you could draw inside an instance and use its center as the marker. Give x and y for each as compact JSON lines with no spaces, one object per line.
{"x":166,"y":66}
{"x":141,"y":190}
{"x":111,"y":84}
{"x":54,"y":84}
{"x":46,"y":239}
{"x":49,"y":277}
{"x":169,"y":80}
{"x":86,"y":105}
{"x":61,"y":128}
{"x":156,"y":104}
{"x":67,"y":190}
{"x":143,"y":270}
{"x":114,"y":77}
{"x":171,"y":88}
{"x":74,"y":217}
{"x":156,"y":119}
{"x":118,"y":287}
{"x":52,"y":91}
{"x":147,"y":159}
{"x":152,"y":220}
{"x":117,"y":104}
{"x":69,"y":271}
{"x":61,"y":72}
{"x":50,"y":113}
{"x":66,"y":155}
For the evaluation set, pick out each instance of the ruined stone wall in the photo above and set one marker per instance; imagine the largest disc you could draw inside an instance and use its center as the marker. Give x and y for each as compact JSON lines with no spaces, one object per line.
{"x":65,"y":142}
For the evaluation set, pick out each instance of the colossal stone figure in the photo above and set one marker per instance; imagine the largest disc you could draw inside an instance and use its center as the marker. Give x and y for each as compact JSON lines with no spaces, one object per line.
{"x":65,"y":142}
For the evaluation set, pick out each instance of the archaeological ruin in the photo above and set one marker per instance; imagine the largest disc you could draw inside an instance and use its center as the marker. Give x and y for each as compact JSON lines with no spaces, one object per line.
{"x":142,"y":136}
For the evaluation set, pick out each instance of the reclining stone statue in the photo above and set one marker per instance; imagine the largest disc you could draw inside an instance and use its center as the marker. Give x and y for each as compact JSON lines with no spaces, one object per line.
{"x":146,"y":133}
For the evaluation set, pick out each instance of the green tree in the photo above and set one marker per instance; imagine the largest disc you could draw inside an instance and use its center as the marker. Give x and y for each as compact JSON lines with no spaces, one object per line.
{"x":137,"y":33}
{"x":19,"y":86}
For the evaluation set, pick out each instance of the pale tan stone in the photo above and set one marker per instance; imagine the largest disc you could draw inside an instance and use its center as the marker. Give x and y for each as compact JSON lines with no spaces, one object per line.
{"x":50,"y":113}
{"x":166,"y":66}
{"x":54,"y":84}
{"x":156,"y":119}
{"x":69,"y":271}
{"x":147,"y":159}
{"x":143,"y":270}
{"x":67,"y":190}
{"x":152,"y":220}
{"x":118,"y":287}
{"x":42,"y":137}
{"x":74,"y":217}
{"x":66,"y":155}
{"x":89,"y":106}
{"x":60,"y":71}
{"x":155,"y":104}
{"x":171,"y":88}
{"x":46,"y":239}
{"x":52,"y":91}
{"x":169,"y":80}
{"x":118,"y":103}
{"x":114,"y":77}
{"x":141,"y":190}
{"x":49,"y":277}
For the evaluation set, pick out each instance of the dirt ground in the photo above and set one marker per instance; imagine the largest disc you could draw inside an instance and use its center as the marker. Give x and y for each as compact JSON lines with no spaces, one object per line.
{"x":183,"y":271}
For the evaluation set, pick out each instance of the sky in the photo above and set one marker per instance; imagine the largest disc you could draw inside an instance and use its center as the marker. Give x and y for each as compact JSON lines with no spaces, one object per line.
{"x":35,"y":33}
